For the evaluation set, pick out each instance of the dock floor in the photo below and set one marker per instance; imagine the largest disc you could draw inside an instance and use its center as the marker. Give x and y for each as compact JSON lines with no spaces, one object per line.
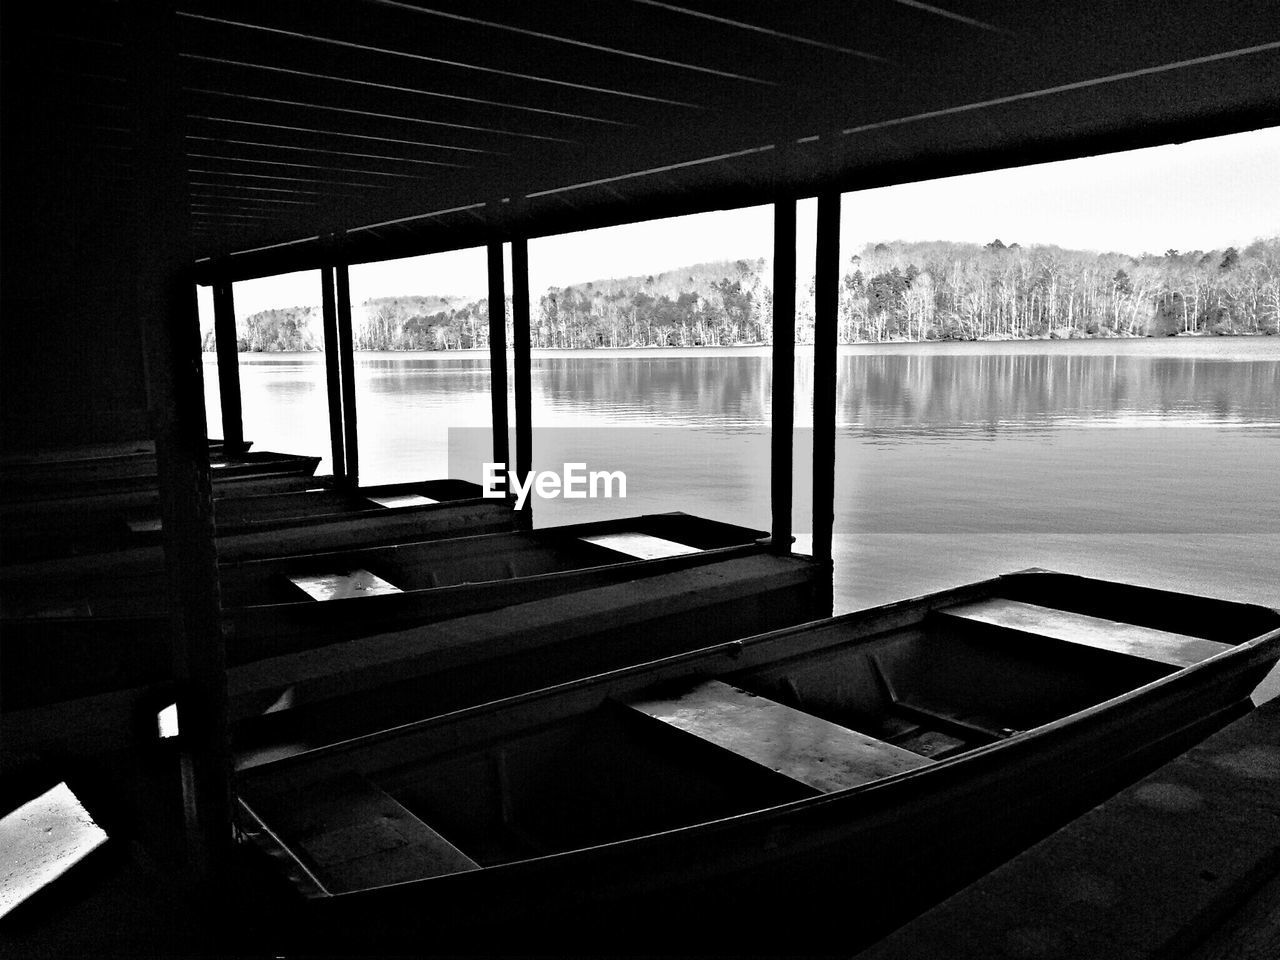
{"x":1182,"y":865}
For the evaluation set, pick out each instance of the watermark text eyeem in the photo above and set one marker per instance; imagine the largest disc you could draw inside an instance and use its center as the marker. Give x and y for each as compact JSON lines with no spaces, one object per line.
{"x":573,"y":483}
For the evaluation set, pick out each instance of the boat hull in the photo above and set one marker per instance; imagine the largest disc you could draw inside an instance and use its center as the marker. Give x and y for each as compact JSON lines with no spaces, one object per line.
{"x":123,"y":540}
{"x":100,"y":645}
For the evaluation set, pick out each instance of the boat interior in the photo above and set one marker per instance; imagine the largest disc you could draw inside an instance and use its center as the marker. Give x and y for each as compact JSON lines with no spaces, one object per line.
{"x":232,"y":512}
{"x":139,"y":474}
{"x":138,"y":589}
{"x":491,"y":558}
{"x":100,"y":525}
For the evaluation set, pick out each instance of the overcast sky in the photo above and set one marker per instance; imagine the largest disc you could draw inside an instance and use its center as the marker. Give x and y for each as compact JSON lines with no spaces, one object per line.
{"x":1205,"y":194}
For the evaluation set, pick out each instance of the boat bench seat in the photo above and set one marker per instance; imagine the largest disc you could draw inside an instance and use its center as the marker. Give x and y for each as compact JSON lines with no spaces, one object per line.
{"x":640,"y":546}
{"x":396,"y":501}
{"x":343,"y":586}
{"x":1172,"y":649}
{"x":353,"y":835}
{"x":816,"y":752}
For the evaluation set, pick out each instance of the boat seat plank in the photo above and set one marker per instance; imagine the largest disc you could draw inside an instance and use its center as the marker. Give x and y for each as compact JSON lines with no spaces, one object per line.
{"x":395,"y":501}
{"x":642,"y":546}
{"x":342,"y":586}
{"x":806,"y":748}
{"x":16,"y":605}
{"x":1173,"y":649}
{"x":358,"y":836}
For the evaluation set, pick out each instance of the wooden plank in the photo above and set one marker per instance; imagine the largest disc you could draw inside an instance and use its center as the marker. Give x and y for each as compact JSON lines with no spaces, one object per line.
{"x":363,"y":530}
{"x":344,"y":586}
{"x":43,"y":839}
{"x":354,"y":835}
{"x":26,"y":605}
{"x":144,"y":525}
{"x":784,"y":353}
{"x":1173,"y":649}
{"x":395,"y":501}
{"x":640,"y":545}
{"x":79,"y":453}
{"x":806,"y":748}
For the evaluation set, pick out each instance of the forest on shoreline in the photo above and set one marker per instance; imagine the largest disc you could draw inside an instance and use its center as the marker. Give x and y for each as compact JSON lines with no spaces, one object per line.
{"x":935,"y":290}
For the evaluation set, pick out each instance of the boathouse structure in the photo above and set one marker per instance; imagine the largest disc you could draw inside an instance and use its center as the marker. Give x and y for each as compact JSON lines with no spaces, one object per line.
{"x":151,"y":147}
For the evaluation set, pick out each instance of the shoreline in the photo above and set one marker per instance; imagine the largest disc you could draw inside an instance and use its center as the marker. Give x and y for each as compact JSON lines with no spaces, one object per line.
{"x":1176,"y":344}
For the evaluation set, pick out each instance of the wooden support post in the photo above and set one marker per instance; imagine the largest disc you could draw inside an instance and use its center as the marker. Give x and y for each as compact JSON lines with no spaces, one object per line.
{"x":498,"y":355}
{"x":346,"y":353}
{"x":523,"y":362}
{"x":167,"y":307}
{"x":784,"y":353}
{"x":826,"y":302}
{"x":333,"y":372}
{"x":224,"y":326}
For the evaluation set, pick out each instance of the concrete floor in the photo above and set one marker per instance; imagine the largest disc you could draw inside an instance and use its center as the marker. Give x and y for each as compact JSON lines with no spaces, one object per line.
{"x":1183,"y":865}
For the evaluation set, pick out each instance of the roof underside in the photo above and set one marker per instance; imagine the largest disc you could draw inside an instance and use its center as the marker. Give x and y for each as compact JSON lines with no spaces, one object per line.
{"x":408,"y":127}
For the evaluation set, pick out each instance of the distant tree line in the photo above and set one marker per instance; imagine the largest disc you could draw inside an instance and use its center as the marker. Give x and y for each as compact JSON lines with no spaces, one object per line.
{"x":279,"y":330}
{"x":936,"y":290}
{"x":940,"y":290}
{"x":708,"y":304}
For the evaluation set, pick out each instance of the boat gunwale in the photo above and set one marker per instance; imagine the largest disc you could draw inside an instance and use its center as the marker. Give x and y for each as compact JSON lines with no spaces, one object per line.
{"x":251,"y":463}
{"x":371,"y":511}
{"x":145,"y":554}
{"x":16,"y":573}
{"x":541,"y":533}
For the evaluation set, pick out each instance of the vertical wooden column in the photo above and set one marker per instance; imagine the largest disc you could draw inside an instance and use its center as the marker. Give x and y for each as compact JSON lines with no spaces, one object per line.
{"x":826,"y":303}
{"x":346,"y":354}
{"x":784,"y":353}
{"x":167,"y":309}
{"x":333,"y":373}
{"x":224,"y":326}
{"x":523,"y":360}
{"x":498,"y":355}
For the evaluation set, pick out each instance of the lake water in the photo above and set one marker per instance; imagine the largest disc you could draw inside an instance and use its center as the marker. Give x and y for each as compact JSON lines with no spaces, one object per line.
{"x":1150,"y":461}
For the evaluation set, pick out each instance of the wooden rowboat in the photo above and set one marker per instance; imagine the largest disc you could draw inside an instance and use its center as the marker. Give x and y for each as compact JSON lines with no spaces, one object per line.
{"x":380,"y":587}
{"x":254,"y":526}
{"x":341,"y":594}
{"x":41,"y":480}
{"x":110,"y":686}
{"x":272,"y":525}
{"x":273,"y":606}
{"x":797,"y":792}
{"x":218,"y":447}
{"x":87,"y":456}
{"x":42,"y":517}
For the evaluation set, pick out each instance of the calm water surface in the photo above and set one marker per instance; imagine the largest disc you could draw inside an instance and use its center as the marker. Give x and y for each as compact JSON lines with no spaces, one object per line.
{"x":1155,"y":462}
